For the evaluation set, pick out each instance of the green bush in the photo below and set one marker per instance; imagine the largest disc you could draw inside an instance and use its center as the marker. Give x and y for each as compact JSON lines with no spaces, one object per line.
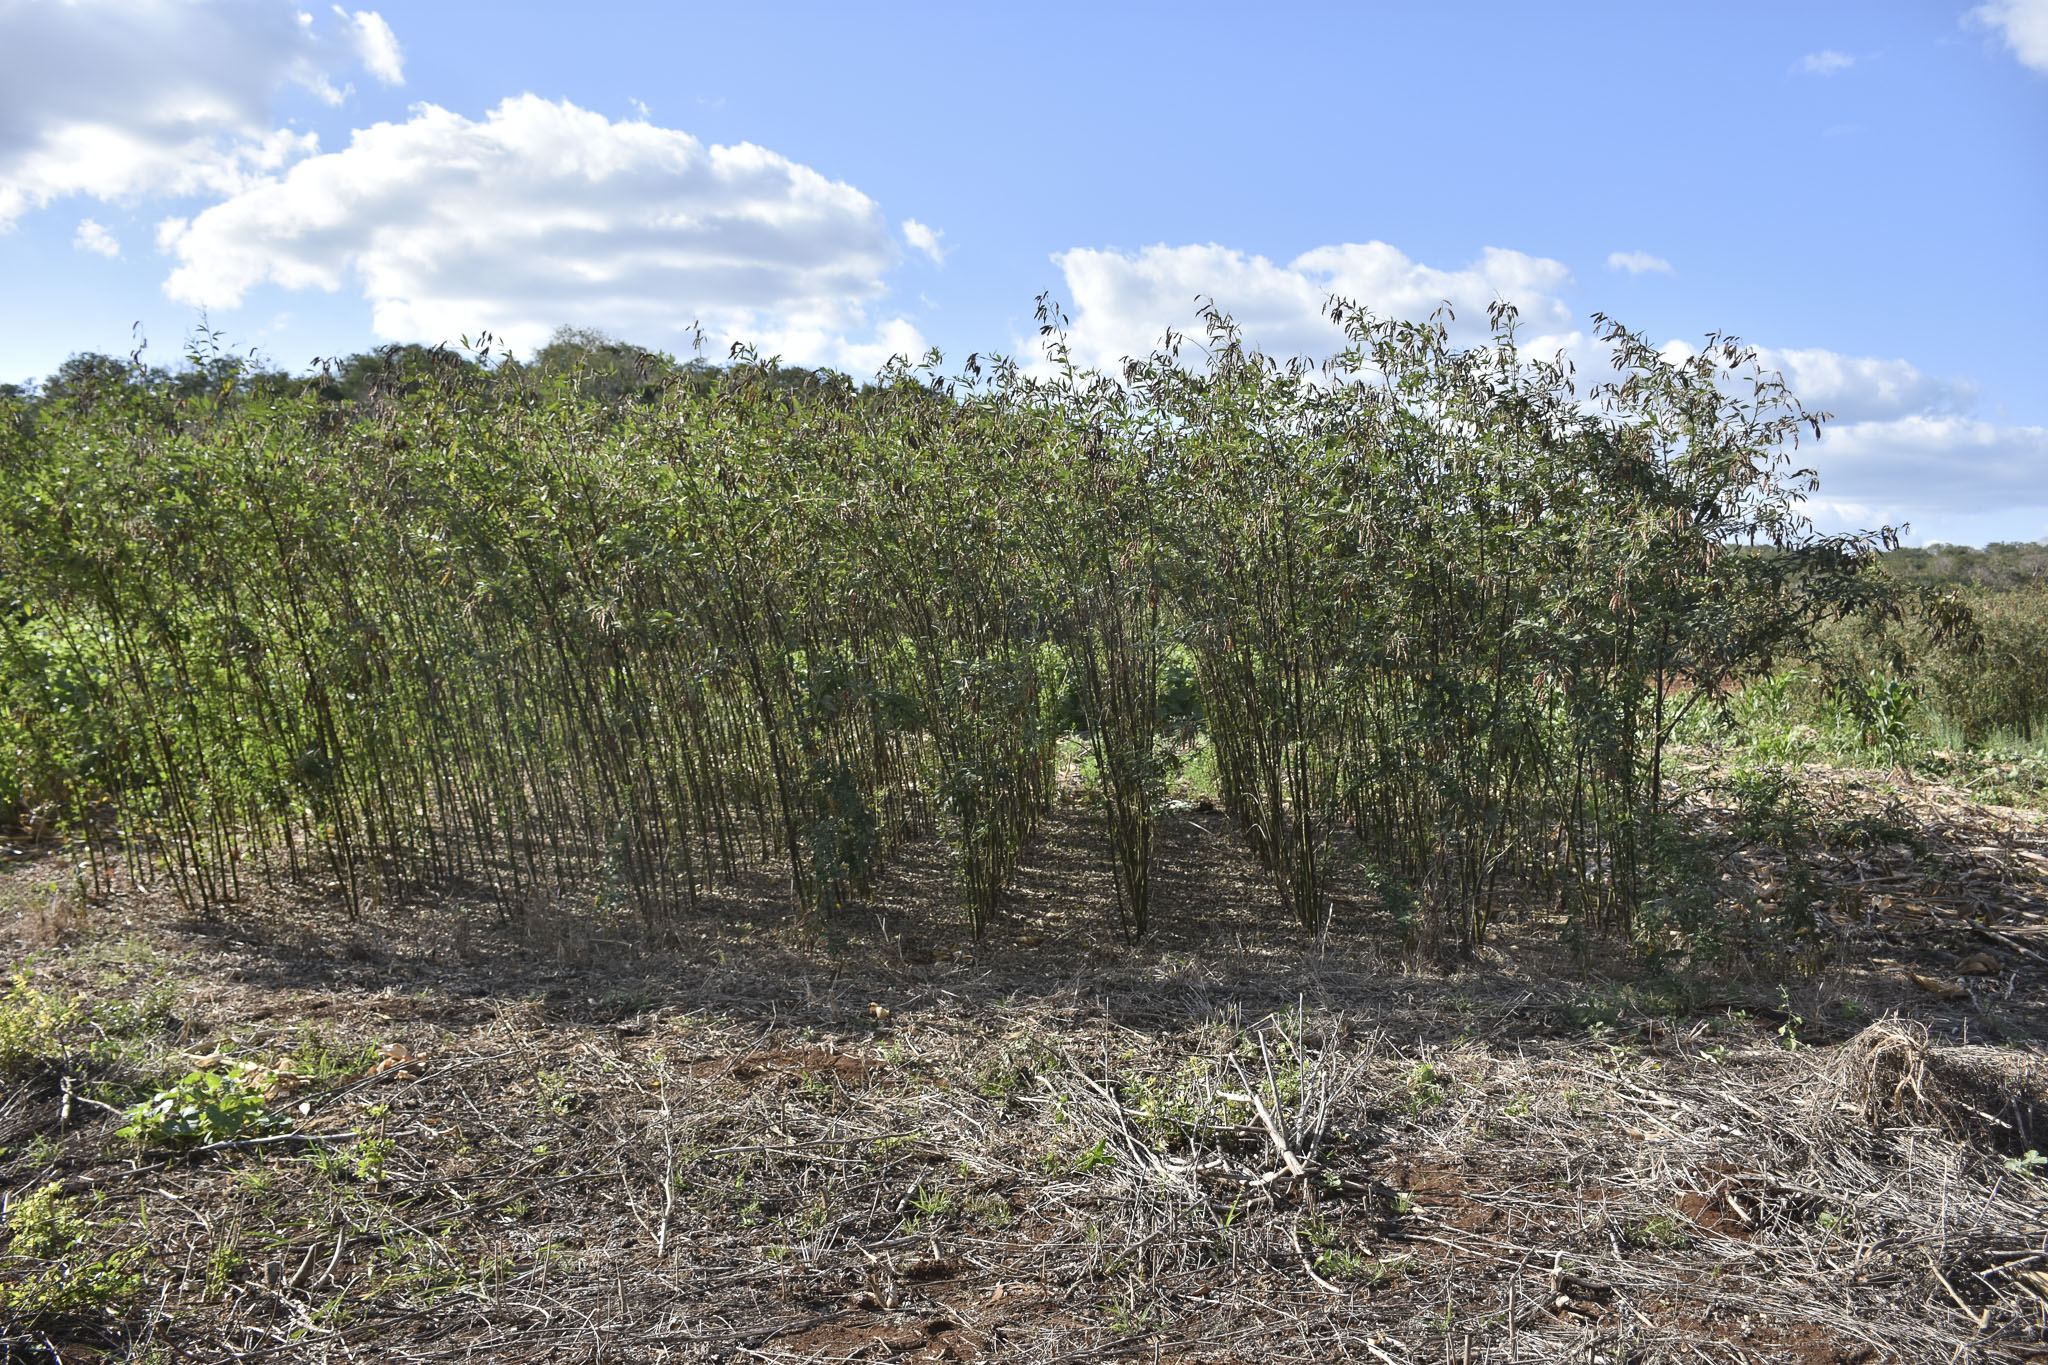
{"x":34,"y":1024}
{"x":609,"y":621}
{"x":1881,"y":711}
{"x":44,"y":1225}
{"x":59,"y":743}
{"x":1997,"y":683}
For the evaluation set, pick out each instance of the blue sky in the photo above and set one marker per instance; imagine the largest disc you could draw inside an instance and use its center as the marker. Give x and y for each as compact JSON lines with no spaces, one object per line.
{"x":1859,"y":189}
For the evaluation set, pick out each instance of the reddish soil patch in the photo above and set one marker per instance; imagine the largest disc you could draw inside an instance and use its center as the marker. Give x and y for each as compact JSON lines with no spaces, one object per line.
{"x":1738,"y":1203}
{"x":895,"y":1337}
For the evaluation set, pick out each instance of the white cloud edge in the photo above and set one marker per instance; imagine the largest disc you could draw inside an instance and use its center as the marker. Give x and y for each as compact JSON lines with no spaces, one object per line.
{"x":544,"y":213}
{"x":1825,"y":62}
{"x":122,"y":101}
{"x":92,"y":236}
{"x":1639,"y":263}
{"x":376,"y":46}
{"x":1121,"y":302}
{"x":925,"y":239}
{"x":2023,"y":27}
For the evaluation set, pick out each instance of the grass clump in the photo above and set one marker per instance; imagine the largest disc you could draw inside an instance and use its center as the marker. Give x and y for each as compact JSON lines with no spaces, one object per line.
{"x":1428,"y":1086}
{"x":1011,"y":1069}
{"x":1663,"y":1232}
{"x":36,"y":1025}
{"x":50,"y":1270}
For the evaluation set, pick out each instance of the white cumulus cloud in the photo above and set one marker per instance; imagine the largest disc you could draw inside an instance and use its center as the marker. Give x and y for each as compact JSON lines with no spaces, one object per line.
{"x":1911,"y":468}
{"x":95,"y":238}
{"x":375,"y":44}
{"x":924,"y":239}
{"x":2024,"y":26}
{"x":113,"y":99}
{"x":543,"y":214}
{"x":1123,"y":302}
{"x":1865,"y":388}
{"x":1826,"y":62}
{"x":1904,"y":445}
{"x":1638,"y":263}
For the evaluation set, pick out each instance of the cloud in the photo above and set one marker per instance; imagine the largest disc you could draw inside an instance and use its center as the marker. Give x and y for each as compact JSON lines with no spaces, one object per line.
{"x":1904,"y":445}
{"x":1909,"y":468}
{"x":892,"y":338}
{"x":2024,"y":26}
{"x":924,"y":239}
{"x":1859,"y":389}
{"x":1122,"y":302}
{"x":96,"y":239}
{"x":1826,"y":62}
{"x":544,"y":214}
{"x":114,"y":99}
{"x":1638,"y":263}
{"x":375,"y":44}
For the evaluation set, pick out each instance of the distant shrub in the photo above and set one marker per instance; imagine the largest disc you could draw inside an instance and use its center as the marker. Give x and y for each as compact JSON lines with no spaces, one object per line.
{"x":1998,"y":682}
{"x":2000,"y":566}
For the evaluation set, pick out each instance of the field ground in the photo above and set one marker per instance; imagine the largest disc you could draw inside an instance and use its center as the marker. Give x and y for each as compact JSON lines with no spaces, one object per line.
{"x":542,"y":1139}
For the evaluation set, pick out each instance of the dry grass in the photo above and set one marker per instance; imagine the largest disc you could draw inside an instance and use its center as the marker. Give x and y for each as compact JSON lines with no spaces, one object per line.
{"x":545,"y":1140}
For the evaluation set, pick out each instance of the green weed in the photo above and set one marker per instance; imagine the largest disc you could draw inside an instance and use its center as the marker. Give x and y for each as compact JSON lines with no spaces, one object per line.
{"x":1097,"y":1157}
{"x":203,"y":1107}
{"x":50,"y":1270}
{"x":1428,"y":1087}
{"x":1665,"y":1231}
{"x":35,"y":1025}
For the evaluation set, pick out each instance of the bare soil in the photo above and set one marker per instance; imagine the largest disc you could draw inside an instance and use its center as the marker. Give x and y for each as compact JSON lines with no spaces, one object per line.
{"x":554,"y":1137}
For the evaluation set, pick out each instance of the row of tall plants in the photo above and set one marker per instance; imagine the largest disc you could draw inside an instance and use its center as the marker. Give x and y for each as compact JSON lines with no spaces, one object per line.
{"x":542,"y":635}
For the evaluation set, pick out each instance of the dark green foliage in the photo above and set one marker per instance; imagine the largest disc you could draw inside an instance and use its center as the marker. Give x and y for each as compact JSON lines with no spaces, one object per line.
{"x":1969,"y":665}
{"x":606,"y":370}
{"x":1999,"y":567}
{"x":606,"y":623}
{"x":1995,"y":678}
